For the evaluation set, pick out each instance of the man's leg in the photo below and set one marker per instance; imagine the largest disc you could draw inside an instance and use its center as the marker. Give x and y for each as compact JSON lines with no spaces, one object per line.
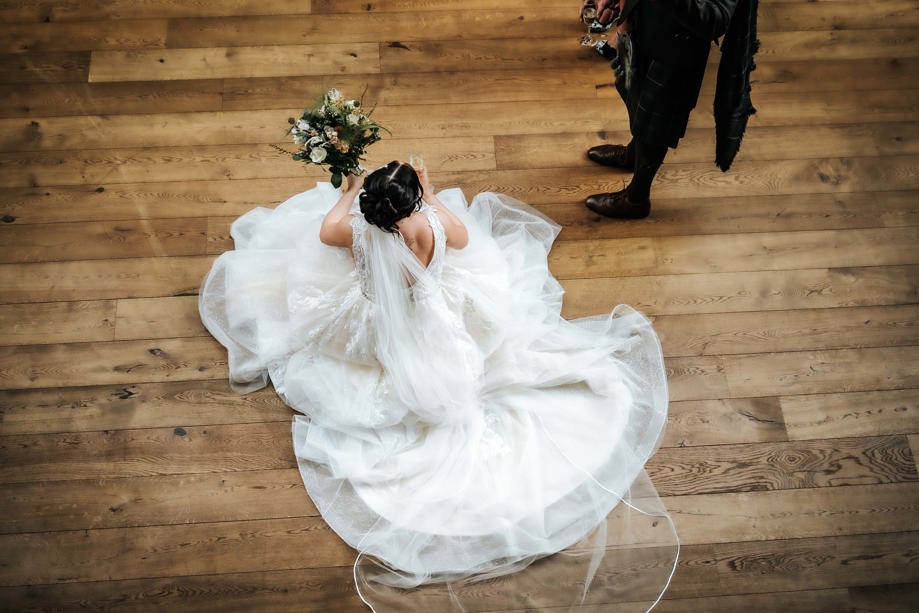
{"x":648,"y":161}
{"x":617,"y":156}
{"x":633,"y":202}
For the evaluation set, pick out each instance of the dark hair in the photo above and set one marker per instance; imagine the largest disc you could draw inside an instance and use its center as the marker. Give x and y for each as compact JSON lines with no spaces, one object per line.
{"x":391,"y":193}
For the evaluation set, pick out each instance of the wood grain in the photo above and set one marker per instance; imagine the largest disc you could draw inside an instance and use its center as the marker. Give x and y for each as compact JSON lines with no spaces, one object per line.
{"x":82,"y":36}
{"x":782,"y":466}
{"x":151,"y":551}
{"x":891,"y":73}
{"x":126,"y":278}
{"x":432,"y":120}
{"x":896,"y":598}
{"x":794,"y":513}
{"x":795,"y":330}
{"x":328,"y":7}
{"x":226,"y":162}
{"x":785,"y":292}
{"x":230,"y":62}
{"x":54,"y":99}
{"x":820,"y":372}
{"x":794,"y":17}
{"x":138,"y":406}
{"x":367,"y":26}
{"x":94,"y":240}
{"x":511,"y":23}
{"x":57,"y":322}
{"x":805,"y":564}
{"x":326,"y":589}
{"x":797,"y":373}
{"x":95,"y":202}
{"x":871,"y":413}
{"x":681,"y":215}
{"x":80,"y":10}
{"x":748,"y":291}
{"x":586,"y":259}
{"x":179,"y":359}
{"x":159,"y":499}
{"x":724,"y":421}
{"x":816,"y":601}
{"x":761,"y":143}
{"x":158,"y":318}
{"x":839,"y":44}
{"x":139,"y":453}
{"x":50,"y":67}
{"x":454,"y":87}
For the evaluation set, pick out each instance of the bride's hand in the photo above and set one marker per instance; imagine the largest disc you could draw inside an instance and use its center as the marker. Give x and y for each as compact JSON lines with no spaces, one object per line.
{"x":426,"y":191}
{"x":355,"y":182}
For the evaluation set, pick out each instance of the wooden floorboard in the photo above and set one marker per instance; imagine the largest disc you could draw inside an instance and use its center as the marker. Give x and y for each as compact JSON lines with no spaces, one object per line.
{"x":785,"y":292}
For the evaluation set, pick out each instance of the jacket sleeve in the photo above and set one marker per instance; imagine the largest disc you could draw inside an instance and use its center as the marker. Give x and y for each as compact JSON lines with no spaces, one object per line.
{"x":707,"y":19}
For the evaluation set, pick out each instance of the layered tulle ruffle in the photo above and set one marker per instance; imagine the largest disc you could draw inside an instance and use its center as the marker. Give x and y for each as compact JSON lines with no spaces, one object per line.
{"x":538,"y":446}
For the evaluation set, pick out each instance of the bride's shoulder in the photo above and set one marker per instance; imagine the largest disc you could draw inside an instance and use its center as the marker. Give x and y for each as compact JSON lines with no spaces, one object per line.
{"x":358,"y":227}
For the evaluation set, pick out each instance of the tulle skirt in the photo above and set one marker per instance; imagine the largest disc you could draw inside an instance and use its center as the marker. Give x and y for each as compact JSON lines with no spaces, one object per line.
{"x":532,"y":479}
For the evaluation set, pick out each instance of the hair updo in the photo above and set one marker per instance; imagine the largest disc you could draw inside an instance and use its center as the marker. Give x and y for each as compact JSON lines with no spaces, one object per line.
{"x":391,"y":193}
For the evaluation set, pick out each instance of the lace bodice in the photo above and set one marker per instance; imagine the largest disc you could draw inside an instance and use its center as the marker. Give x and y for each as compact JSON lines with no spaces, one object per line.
{"x":422,"y":286}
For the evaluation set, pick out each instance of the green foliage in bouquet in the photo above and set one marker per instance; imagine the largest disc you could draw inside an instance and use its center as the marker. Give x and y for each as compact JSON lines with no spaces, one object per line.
{"x":335,"y":134}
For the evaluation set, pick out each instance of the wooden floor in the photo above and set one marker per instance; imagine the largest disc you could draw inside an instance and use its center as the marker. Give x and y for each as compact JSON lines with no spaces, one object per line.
{"x":786,"y":292}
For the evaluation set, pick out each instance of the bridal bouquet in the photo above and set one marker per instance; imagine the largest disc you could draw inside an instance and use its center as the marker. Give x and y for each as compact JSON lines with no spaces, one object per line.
{"x":335,"y":134}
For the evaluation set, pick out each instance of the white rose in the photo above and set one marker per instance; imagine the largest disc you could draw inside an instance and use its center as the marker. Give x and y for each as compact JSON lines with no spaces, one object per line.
{"x":303,"y":126}
{"x":317,"y":155}
{"x":354,"y":119}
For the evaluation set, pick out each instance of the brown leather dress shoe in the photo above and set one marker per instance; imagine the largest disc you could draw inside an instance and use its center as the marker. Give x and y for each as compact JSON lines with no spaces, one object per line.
{"x":618,"y":206}
{"x":617,"y":156}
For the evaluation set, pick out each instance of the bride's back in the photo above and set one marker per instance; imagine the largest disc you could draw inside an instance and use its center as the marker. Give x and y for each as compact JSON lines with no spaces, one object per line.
{"x":418,"y":235}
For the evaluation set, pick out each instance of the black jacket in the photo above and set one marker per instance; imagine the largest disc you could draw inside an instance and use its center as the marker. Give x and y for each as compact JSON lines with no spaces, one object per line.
{"x":679,"y":32}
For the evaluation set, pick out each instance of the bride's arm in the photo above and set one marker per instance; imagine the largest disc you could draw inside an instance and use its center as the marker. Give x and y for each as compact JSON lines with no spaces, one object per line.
{"x":454,"y":229}
{"x":336,"y":225}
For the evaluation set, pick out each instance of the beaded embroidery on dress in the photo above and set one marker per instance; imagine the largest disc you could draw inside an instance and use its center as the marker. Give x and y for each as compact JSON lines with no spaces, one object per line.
{"x":453,"y":426}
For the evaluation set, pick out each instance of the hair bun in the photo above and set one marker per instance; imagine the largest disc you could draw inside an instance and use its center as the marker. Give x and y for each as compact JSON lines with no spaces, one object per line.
{"x":390,"y":193}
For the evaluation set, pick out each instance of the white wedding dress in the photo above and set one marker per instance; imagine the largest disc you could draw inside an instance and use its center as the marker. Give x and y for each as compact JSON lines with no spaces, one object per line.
{"x":454,"y":427}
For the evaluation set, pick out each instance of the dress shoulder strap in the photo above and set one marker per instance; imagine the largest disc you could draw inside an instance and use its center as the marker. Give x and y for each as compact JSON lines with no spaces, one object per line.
{"x":440,"y":238}
{"x":358,"y":248}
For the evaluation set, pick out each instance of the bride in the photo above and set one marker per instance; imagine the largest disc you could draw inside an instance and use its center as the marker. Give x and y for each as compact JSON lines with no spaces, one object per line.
{"x":454,"y":429}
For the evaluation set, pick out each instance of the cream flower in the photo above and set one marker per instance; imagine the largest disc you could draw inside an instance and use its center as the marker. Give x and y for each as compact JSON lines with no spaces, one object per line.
{"x":317,"y":155}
